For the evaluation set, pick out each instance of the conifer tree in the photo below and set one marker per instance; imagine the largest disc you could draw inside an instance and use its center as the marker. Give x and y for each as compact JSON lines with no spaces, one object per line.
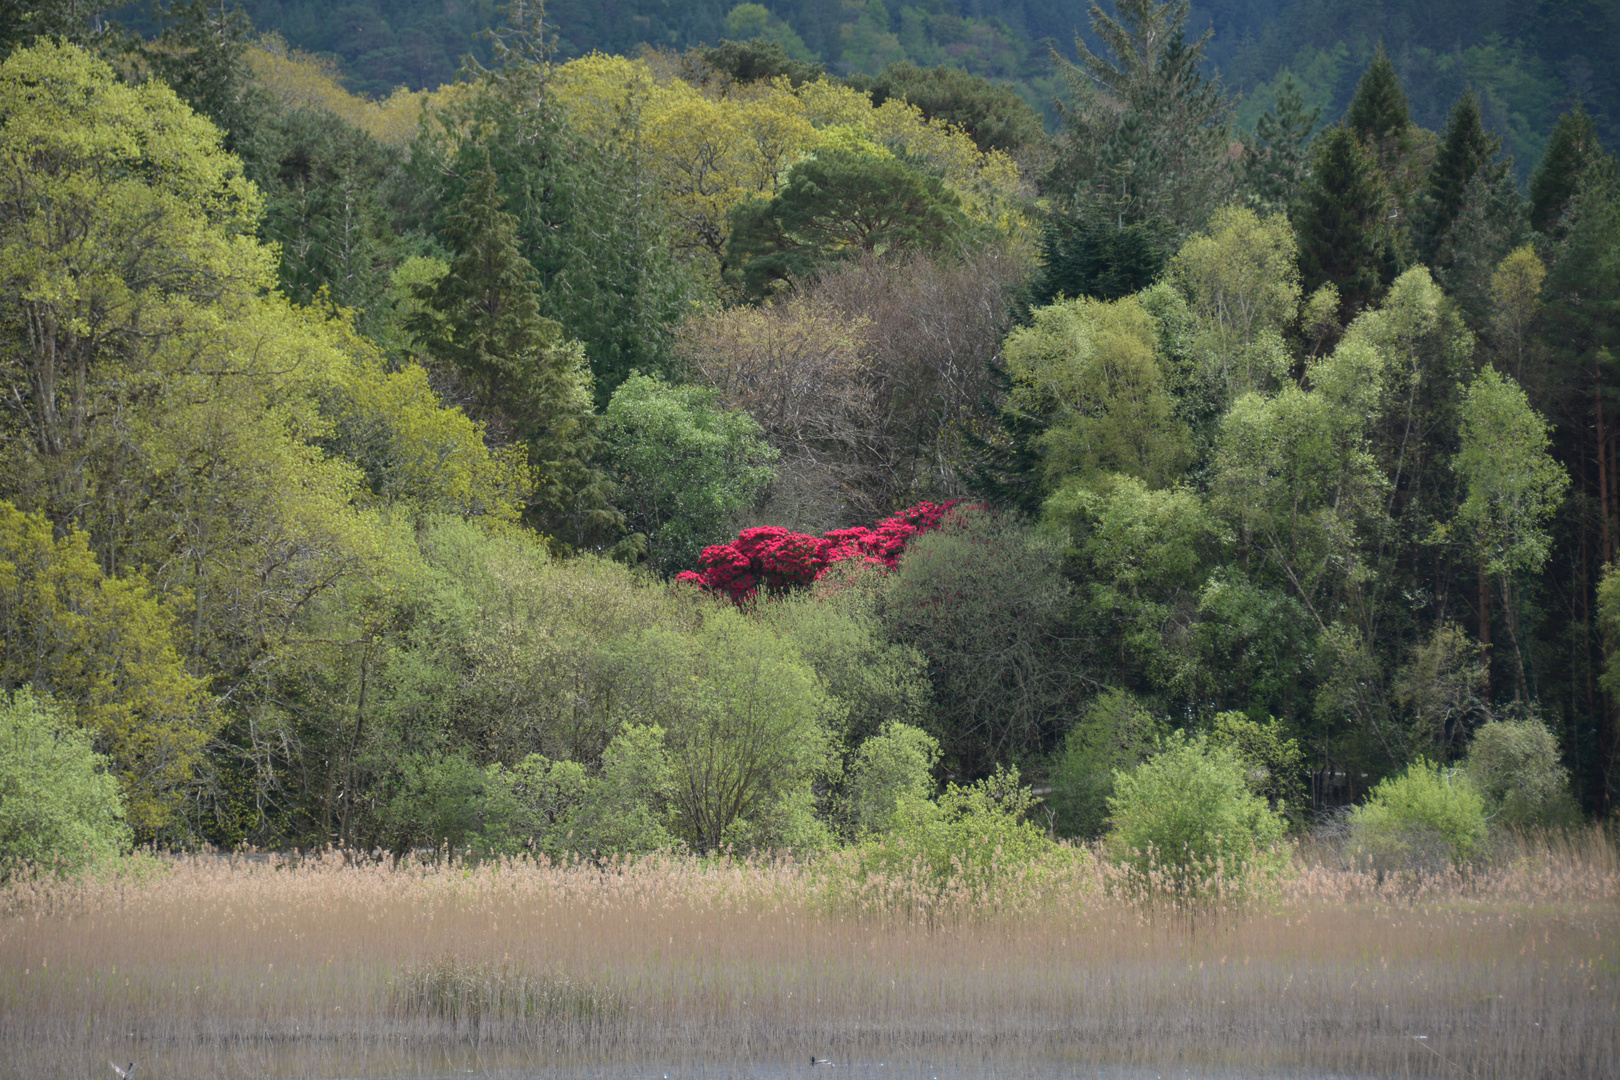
{"x":1378,"y":112}
{"x":1343,"y":234}
{"x":1571,"y":149}
{"x":528,"y":384}
{"x":1274,"y":164}
{"x":1465,"y":149}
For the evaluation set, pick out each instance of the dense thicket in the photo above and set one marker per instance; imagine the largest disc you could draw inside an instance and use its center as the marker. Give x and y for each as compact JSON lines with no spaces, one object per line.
{"x":352,"y":450}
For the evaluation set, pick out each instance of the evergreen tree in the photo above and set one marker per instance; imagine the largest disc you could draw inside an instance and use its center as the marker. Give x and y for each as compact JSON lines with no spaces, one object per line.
{"x":528,"y":384}
{"x":1490,"y":223}
{"x":1145,"y":133}
{"x":1343,"y":234}
{"x":1465,"y":149}
{"x":1571,"y":149}
{"x":202,"y":53}
{"x":1274,"y":163}
{"x":1378,"y":112}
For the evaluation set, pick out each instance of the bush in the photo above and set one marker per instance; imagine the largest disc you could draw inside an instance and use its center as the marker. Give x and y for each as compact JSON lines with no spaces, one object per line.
{"x":1421,"y":820}
{"x":58,"y":802}
{"x":1116,"y":733}
{"x":1185,"y":822}
{"x":895,"y":763}
{"x":1515,"y":764}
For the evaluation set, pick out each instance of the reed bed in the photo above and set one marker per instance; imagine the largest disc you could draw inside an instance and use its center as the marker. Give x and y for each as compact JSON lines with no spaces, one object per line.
{"x":226,"y":966}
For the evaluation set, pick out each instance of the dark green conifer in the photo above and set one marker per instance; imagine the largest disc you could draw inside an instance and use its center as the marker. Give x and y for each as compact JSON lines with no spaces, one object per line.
{"x":1465,"y":149}
{"x":1571,"y":149}
{"x":528,"y":384}
{"x":1342,"y":226}
{"x":1378,"y":112}
{"x":1274,"y":164}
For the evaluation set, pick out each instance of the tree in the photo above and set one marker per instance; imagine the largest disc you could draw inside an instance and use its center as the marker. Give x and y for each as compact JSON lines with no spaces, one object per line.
{"x":1145,"y":133}
{"x":746,"y":730}
{"x":755,"y":60}
{"x":1186,"y":822}
{"x":1344,"y":238}
{"x":687,"y":468}
{"x":1513,"y":487}
{"x":1465,"y":149}
{"x":1516,"y":766}
{"x":984,"y":599}
{"x":1516,"y":293}
{"x":1571,"y":149}
{"x":896,"y":762}
{"x":991,"y":113}
{"x":60,"y":806}
{"x":1093,"y":367}
{"x":1276,"y":163}
{"x":1378,"y":113}
{"x":106,"y":647}
{"x":1115,"y":735}
{"x":834,"y":205}
{"x":529,"y":385}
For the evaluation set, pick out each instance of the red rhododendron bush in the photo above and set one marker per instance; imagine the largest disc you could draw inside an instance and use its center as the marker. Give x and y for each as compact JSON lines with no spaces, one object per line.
{"x":776,"y":559}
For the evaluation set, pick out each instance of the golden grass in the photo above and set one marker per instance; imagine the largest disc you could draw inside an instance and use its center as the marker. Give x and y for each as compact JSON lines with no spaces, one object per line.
{"x":217,"y":966}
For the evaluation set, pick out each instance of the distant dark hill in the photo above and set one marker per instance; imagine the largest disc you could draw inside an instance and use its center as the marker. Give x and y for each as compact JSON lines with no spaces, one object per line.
{"x":1527,"y":59}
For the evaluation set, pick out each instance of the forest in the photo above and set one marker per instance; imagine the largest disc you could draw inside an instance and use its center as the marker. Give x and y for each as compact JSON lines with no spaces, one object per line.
{"x":751,"y":446}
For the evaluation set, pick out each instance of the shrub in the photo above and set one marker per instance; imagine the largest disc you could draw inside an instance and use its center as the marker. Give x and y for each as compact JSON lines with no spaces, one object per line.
{"x":1186,"y":823}
{"x":895,"y":763}
{"x":1515,"y":764}
{"x":1115,"y":733}
{"x":1422,"y":819}
{"x":58,"y":802}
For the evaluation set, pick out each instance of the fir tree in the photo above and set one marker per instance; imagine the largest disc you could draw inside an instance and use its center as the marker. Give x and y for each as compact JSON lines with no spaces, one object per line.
{"x":1343,"y":234}
{"x":1275,"y":162}
{"x":1378,"y":112}
{"x":1465,"y":149}
{"x":528,"y":384}
{"x":1571,"y":149}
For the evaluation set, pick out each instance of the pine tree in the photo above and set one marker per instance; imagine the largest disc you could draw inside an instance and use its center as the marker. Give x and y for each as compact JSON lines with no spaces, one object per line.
{"x":1274,"y":164}
{"x":1343,"y":233}
{"x":1571,"y":149}
{"x":1465,"y":149}
{"x":528,"y":383}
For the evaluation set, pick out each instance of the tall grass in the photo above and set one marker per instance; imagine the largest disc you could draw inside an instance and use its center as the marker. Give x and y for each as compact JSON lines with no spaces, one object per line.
{"x":264,"y":966}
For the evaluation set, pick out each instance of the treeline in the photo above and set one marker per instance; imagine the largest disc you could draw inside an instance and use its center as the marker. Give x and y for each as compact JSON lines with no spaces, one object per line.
{"x":1528,"y":62}
{"x":348,"y":457}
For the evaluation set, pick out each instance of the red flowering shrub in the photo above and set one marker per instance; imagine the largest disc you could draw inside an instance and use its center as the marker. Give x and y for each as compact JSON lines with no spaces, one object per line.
{"x":776,"y":560}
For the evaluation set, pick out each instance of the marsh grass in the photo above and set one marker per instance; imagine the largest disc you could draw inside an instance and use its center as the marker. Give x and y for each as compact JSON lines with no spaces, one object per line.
{"x":268,"y":966}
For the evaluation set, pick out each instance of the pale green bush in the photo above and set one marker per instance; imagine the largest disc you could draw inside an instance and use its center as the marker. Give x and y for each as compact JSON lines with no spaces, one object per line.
{"x":1187,"y":825}
{"x":1422,"y":819}
{"x":59,"y":804}
{"x":1515,"y":764}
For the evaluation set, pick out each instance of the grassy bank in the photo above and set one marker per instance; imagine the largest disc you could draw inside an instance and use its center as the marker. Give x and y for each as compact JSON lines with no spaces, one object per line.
{"x":213,"y":966}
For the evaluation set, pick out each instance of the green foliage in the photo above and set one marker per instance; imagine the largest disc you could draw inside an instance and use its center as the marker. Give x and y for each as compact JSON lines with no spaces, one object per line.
{"x":1115,"y":735}
{"x":1465,"y":149}
{"x":1378,"y":112}
{"x":1186,"y":823}
{"x":1424,"y":815}
{"x":967,"y":838}
{"x":105,"y":647}
{"x":892,"y":766}
{"x":686,"y":467}
{"x":984,"y":600}
{"x":1516,"y":766}
{"x":1572,"y":148}
{"x":1275,"y":762}
{"x":755,"y":58}
{"x":747,"y":729}
{"x":1276,"y":163}
{"x":1344,"y":238}
{"x":839,"y":203}
{"x":992,"y":113}
{"x":59,"y":803}
{"x":1091,"y":368}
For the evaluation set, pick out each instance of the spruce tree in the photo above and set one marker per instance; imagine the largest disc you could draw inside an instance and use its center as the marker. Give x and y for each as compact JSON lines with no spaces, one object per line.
{"x":1378,"y":112}
{"x":1343,"y":233}
{"x":1571,"y":149}
{"x":528,"y":384}
{"x":1465,"y":149}
{"x":1275,"y":163}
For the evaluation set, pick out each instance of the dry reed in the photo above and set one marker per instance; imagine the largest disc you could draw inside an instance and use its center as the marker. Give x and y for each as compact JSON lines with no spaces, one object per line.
{"x":271,"y":965}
